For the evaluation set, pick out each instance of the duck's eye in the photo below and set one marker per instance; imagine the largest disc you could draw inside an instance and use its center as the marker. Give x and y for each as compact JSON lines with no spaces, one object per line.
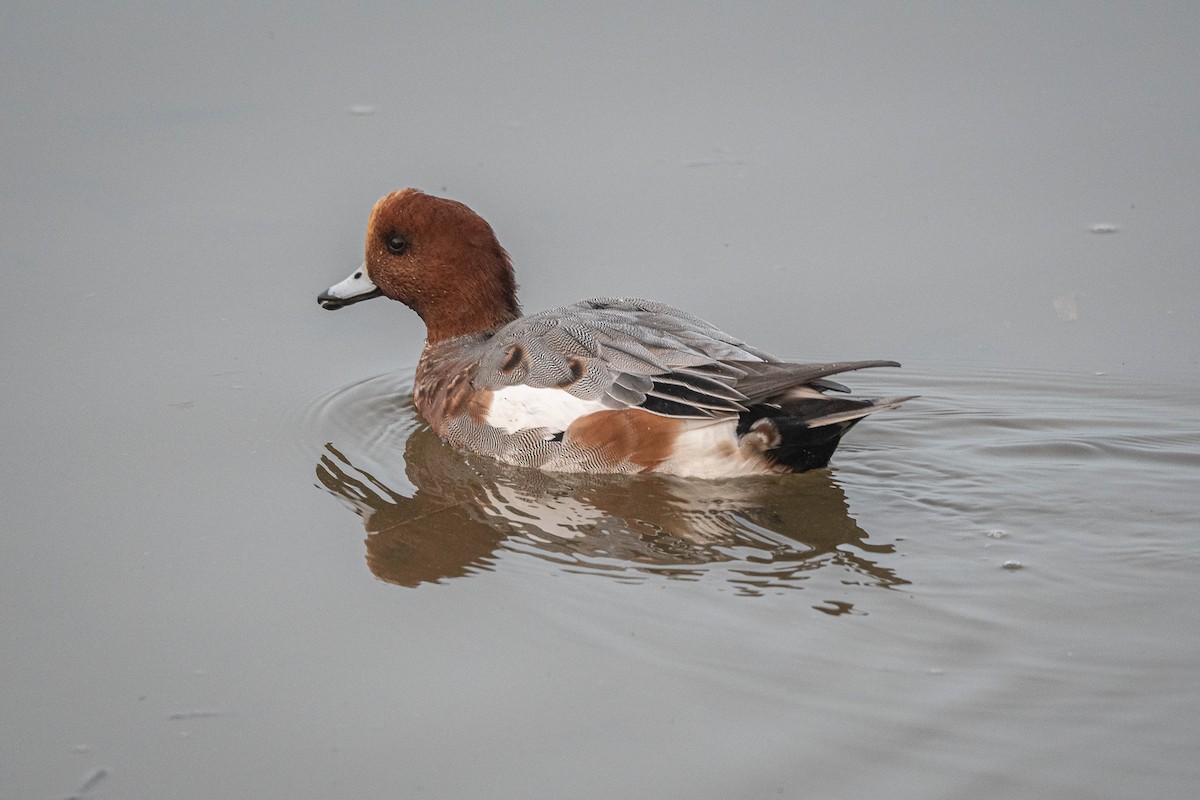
{"x":397,"y":244}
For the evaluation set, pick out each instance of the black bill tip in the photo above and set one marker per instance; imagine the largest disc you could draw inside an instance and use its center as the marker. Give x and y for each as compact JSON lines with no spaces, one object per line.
{"x":331,"y":303}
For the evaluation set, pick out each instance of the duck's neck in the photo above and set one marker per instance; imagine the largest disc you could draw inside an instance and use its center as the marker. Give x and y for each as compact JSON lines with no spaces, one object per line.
{"x":450,"y":317}
{"x":477,"y":292}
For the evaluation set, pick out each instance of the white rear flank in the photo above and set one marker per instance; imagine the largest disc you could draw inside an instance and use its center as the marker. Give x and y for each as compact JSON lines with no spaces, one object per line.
{"x":710,"y":449}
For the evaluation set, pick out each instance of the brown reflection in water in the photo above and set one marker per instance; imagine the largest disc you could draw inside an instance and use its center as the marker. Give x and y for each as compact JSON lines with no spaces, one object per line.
{"x":759,"y":533}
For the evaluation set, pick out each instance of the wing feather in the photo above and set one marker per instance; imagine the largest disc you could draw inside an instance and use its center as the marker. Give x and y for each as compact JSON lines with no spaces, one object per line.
{"x":627,"y":352}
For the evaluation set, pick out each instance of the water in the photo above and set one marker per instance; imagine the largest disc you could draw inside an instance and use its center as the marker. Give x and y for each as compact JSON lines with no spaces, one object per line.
{"x":994,"y":554}
{"x":235,"y":563}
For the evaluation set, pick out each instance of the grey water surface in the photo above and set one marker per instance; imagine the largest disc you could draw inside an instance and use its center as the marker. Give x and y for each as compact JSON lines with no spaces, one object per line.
{"x":235,"y":563}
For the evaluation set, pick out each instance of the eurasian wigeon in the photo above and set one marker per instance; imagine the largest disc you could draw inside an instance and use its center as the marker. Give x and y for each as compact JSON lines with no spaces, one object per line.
{"x":605,"y":385}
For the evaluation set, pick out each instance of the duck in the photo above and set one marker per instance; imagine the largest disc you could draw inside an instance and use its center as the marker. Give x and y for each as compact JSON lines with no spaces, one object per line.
{"x":607,"y":385}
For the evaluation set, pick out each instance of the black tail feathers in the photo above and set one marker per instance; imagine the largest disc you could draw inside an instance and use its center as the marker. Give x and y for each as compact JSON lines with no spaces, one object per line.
{"x":811,"y":428}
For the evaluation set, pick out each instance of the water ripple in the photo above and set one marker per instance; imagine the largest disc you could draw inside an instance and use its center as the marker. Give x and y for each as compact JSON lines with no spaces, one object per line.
{"x":433,"y":514}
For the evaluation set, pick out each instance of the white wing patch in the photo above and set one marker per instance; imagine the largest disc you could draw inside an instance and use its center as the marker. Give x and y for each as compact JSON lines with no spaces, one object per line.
{"x":517,"y":408}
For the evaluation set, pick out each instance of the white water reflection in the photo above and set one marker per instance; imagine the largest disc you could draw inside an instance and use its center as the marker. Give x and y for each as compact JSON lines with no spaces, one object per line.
{"x":448,"y":514}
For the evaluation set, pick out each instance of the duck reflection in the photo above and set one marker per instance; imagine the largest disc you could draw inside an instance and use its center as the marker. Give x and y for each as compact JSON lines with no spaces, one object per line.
{"x":464,"y":511}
